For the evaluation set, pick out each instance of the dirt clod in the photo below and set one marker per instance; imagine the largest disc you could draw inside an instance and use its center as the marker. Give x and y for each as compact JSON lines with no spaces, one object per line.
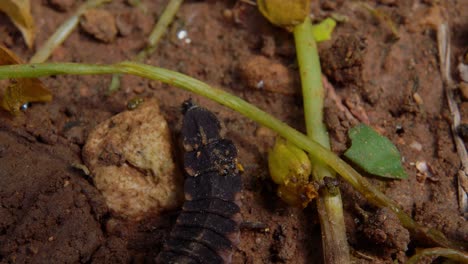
{"x":342,"y":63}
{"x":384,"y":229}
{"x":261,"y":73}
{"x":100,"y":24}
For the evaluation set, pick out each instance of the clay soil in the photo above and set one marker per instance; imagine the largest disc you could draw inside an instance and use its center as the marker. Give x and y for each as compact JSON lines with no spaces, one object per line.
{"x":50,"y":212}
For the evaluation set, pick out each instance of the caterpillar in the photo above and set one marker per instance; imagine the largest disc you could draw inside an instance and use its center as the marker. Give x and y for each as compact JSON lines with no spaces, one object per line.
{"x":207,"y":229}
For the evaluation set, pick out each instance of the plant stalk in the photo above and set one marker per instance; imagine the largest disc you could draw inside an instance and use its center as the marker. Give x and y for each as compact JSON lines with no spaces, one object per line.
{"x":243,"y":107}
{"x":329,"y":206}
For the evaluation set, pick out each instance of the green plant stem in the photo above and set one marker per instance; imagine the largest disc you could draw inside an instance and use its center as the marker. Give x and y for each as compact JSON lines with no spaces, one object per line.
{"x":329,"y":206}
{"x":243,"y":107}
{"x":161,"y":27}
{"x":63,"y":32}
{"x":451,"y":254}
{"x":155,"y":36}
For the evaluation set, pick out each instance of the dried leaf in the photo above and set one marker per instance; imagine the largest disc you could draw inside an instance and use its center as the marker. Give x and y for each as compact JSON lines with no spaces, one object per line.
{"x":21,"y":91}
{"x":19,"y":12}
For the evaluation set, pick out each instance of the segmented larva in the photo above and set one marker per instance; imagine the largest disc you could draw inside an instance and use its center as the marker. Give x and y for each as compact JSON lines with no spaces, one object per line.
{"x":207,"y":229}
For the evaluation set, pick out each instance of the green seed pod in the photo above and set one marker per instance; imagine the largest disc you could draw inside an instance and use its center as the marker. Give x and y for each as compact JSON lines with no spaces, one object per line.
{"x":284,"y":13}
{"x":288,"y":163}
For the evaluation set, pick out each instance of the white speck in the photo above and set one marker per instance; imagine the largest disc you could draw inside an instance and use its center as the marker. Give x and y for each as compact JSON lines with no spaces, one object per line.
{"x":24,"y":107}
{"x":183,"y":35}
{"x":424,"y":168}
{"x":260,"y":84}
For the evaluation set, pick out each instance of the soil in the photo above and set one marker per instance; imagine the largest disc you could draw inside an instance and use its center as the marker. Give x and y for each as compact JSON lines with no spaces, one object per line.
{"x":51,"y":212}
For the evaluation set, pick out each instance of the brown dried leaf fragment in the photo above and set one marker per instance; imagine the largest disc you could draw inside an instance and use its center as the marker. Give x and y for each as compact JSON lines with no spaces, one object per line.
{"x":19,"y":12}
{"x":21,"y":91}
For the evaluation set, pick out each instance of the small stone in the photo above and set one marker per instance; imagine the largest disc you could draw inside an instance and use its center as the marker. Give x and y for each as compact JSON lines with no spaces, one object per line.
{"x":100,"y":24}
{"x":131,"y":162}
{"x":418,"y":99}
{"x":416,"y":146}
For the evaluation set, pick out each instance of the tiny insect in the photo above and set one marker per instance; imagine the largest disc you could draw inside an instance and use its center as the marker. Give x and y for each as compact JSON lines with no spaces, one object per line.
{"x":207,"y":230}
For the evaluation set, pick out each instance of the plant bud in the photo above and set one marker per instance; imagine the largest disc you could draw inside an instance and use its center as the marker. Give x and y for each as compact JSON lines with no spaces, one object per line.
{"x":284,"y":13}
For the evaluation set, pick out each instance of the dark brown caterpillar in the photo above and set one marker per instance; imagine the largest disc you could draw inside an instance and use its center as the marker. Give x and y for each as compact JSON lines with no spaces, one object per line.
{"x":207,"y":229}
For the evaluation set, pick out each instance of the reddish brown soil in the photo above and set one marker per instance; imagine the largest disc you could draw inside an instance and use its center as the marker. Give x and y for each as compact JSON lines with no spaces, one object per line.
{"x":52,"y":213}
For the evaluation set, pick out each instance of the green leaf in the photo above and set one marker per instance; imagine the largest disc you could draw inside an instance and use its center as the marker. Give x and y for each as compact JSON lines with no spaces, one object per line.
{"x":374,"y":153}
{"x":323,"y":30}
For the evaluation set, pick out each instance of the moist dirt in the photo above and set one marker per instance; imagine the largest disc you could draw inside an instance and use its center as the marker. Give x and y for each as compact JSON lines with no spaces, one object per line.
{"x":51,"y":212}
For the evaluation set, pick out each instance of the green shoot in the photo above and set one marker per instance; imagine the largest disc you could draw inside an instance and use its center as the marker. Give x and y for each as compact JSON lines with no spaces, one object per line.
{"x":187,"y":83}
{"x":374,"y":153}
{"x":329,"y":205}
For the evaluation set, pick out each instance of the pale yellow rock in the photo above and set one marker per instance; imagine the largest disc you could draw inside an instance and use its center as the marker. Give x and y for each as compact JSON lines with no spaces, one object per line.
{"x":131,"y":162}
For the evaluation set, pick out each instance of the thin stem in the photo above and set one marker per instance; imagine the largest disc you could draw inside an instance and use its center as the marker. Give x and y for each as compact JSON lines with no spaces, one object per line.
{"x":161,"y":27}
{"x":439,"y":252}
{"x":63,"y":32}
{"x":329,"y":206}
{"x":243,"y":107}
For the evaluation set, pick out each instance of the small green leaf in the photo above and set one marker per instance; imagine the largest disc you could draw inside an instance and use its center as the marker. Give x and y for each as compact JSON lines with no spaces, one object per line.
{"x":374,"y":153}
{"x":323,"y":30}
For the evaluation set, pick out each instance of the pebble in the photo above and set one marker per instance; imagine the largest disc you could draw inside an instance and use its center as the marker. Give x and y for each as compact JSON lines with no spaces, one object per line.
{"x":100,"y":24}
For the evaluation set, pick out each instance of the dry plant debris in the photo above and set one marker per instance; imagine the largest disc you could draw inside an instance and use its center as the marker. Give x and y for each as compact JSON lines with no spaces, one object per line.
{"x":19,"y":12}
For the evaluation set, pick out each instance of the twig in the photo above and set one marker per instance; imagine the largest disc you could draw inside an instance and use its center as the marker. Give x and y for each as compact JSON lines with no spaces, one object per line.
{"x":443,"y":42}
{"x":331,"y":93}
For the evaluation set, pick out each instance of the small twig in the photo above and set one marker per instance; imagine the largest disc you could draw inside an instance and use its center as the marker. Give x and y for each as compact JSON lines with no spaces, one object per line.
{"x":443,"y":41}
{"x":160,"y":28}
{"x":331,"y":93}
